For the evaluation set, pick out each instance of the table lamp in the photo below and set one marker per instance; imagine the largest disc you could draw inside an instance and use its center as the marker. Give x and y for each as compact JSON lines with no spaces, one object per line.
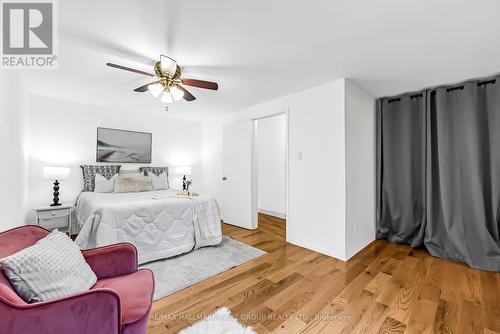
{"x":55,"y":174}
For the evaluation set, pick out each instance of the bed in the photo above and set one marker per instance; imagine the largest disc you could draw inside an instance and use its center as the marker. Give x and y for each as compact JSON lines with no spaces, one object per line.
{"x":159,"y":223}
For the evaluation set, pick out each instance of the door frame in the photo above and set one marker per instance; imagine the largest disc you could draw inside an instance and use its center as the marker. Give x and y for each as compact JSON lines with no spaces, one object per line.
{"x":255,"y":173}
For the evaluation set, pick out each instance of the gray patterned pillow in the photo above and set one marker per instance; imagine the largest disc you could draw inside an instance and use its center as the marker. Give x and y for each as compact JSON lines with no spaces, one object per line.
{"x":89,"y":172}
{"x":154,"y":170}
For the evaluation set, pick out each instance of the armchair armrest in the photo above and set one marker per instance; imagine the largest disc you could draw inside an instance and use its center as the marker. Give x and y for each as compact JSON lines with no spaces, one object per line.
{"x":90,"y":312}
{"x":113,"y":260}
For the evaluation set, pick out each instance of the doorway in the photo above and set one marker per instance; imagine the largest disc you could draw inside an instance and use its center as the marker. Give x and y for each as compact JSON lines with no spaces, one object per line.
{"x":269,"y":173}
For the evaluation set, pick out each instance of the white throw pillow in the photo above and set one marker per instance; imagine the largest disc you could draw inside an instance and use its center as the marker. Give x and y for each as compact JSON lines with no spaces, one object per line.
{"x":54,"y":267}
{"x":159,"y":182}
{"x":103,"y":185}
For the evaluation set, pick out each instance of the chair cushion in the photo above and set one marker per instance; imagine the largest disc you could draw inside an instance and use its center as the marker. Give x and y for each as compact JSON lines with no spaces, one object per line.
{"x":135,"y":291}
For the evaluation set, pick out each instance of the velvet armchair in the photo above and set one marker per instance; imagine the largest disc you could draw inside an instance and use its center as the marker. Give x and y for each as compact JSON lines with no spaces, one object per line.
{"x":118,"y":303}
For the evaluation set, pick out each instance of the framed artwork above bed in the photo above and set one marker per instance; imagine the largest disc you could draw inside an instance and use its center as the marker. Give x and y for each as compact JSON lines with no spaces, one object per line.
{"x":123,"y":146}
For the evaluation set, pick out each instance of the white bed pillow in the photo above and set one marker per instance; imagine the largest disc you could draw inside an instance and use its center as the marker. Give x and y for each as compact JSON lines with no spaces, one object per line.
{"x":159,"y":182}
{"x":132,"y":183}
{"x":103,"y":185}
{"x":54,"y":267}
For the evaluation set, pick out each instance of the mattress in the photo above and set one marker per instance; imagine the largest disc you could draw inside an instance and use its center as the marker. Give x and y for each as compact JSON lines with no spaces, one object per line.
{"x":159,"y":223}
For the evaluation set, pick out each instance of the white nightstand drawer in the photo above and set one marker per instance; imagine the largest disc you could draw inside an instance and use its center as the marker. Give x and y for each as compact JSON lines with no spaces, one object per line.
{"x":52,"y":217}
{"x":53,"y":214}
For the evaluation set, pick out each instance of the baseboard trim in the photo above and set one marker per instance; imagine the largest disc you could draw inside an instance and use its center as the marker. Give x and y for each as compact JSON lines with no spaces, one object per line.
{"x":272,"y":213}
{"x":245,"y":228}
{"x":350,"y":253}
{"x":317,"y":249}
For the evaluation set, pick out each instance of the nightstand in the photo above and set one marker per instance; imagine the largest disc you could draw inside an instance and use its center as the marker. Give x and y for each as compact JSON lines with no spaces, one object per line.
{"x":51,"y":217}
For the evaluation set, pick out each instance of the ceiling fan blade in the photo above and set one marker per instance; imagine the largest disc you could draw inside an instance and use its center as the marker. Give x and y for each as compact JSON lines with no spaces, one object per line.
{"x":120,"y":67}
{"x":187,"y":95}
{"x":201,"y":84}
{"x":144,"y":88}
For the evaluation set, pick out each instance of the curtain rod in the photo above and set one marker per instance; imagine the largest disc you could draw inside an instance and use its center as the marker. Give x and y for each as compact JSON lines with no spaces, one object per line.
{"x":484,"y":83}
{"x":480,"y":82}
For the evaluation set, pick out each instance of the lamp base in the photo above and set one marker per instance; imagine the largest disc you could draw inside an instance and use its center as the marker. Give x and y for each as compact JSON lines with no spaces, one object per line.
{"x":56,"y":194}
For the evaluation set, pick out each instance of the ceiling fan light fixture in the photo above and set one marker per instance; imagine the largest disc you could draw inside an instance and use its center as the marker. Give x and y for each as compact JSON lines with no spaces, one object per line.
{"x":169,"y":85}
{"x":177,"y":94}
{"x":155,"y":89}
{"x":166,"y":97}
{"x":168,"y":65}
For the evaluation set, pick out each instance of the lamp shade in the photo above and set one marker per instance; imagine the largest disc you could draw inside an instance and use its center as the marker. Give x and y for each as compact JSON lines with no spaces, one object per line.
{"x":167,"y":97}
{"x":155,"y":89}
{"x":177,"y":94}
{"x":55,"y":173}
{"x":183,"y":170}
{"x":168,"y":65}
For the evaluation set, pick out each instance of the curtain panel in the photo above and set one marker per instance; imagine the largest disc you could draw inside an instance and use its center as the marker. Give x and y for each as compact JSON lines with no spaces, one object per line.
{"x":438,"y":171}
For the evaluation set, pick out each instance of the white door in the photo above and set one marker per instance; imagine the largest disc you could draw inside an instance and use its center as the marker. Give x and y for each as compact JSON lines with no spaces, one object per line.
{"x":236,"y":199}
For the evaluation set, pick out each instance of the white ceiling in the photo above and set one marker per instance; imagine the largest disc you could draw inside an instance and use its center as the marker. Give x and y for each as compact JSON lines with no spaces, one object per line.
{"x":258,"y":50}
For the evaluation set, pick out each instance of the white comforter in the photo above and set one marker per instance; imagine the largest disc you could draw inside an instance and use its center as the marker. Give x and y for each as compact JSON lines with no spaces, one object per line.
{"x":159,"y":223}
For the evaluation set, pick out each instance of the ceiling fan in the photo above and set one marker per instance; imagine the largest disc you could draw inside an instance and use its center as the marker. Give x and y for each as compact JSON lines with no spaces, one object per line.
{"x":167,"y":84}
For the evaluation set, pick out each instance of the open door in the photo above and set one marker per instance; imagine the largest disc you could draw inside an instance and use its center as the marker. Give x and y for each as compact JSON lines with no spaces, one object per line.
{"x":236,"y":199}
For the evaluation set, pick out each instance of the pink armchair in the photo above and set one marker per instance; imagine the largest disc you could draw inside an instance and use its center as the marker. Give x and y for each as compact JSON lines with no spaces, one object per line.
{"x":118,"y":303}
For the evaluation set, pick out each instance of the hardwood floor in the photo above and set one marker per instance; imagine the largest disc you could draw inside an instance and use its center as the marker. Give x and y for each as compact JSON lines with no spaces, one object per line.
{"x":274,"y":225}
{"x":386,"y":288}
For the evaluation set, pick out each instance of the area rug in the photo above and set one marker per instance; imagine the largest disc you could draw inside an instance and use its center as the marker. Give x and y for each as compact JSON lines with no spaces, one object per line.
{"x":179,"y":272}
{"x":221,"y":322}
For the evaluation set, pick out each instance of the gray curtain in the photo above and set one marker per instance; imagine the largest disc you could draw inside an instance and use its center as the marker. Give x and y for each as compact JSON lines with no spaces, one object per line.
{"x":439,"y":172}
{"x":401,"y":168}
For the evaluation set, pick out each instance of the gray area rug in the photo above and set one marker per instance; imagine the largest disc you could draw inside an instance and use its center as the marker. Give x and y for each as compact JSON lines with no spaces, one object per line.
{"x":179,"y":272}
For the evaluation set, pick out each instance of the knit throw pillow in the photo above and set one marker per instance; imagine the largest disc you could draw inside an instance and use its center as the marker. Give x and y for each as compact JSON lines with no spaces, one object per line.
{"x":54,"y":267}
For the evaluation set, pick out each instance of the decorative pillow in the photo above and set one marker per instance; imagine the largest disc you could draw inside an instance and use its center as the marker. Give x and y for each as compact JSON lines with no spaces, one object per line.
{"x":89,"y":172}
{"x":159,"y":182}
{"x":132,"y":183}
{"x":52,"y":268}
{"x":154,"y":170}
{"x":103,"y":185}
{"x":130,"y":172}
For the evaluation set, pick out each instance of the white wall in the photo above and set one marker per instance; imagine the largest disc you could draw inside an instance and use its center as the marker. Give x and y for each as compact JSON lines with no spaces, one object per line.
{"x":64,"y":134}
{"x":315,"y":220}
{"x":271,"y":165}
{"x":331,"y":142}
{"x":13,"y":148}
{"x":360,"y":169}
{"x":316,"y":207}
